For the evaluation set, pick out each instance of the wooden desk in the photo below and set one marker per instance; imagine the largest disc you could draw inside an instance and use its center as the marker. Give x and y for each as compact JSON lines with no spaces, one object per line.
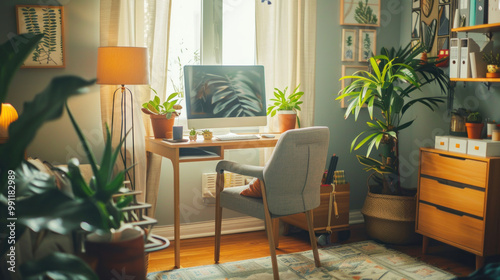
{"x":173,"y":151}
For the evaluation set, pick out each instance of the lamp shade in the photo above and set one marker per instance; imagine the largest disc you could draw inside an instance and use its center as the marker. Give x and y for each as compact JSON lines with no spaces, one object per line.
{"x":122,"y":66}
{"x":8,"y":116}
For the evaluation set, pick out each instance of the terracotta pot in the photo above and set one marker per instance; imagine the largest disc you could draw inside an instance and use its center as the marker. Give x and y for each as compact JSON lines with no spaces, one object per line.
{"x":121,"y":258}
{"x":162,"y":127}
{"x":474,"y":130}
{"x":390,"y":218}
{"x":287,"y":120}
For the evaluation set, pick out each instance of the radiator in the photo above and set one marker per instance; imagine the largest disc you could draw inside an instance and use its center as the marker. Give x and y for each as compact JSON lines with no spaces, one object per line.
{"x":230,"y":180}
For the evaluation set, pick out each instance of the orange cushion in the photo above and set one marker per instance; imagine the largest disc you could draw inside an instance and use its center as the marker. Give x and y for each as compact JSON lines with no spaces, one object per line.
{"x":253,"y":189}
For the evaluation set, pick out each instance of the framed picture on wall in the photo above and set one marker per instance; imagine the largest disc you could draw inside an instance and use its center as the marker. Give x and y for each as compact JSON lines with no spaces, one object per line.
{"x":48,"y":20}
{"x":360,"y":12}
{"x":444,"y":20}
{"x":416,"y":4}
{"x":367,"y":44}
{"x":348,"y":44}
{"x":349,"y":70}
{"x":415,"y":24}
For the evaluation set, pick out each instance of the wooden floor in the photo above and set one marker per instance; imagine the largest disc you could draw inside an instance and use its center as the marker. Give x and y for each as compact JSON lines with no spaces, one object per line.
{"x":235,"y":247}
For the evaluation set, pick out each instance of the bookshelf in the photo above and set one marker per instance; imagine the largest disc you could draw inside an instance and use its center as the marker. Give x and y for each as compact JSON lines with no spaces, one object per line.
{"x":488,"y":29}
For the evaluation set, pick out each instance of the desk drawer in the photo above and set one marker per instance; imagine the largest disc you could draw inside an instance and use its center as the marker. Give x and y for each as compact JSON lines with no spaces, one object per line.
{"x":458,"y":169}
{"x":455,"y":228}
{"x":451,"y":195}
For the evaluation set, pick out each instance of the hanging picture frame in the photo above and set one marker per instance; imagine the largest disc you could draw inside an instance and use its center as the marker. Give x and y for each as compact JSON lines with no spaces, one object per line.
{"x":367,"y":44}
{"x":349,"y":70}
{"x":360,"y":12}
{"x":49,"y":53}
{"x":415,"y":24}
{"x":349,"y":44}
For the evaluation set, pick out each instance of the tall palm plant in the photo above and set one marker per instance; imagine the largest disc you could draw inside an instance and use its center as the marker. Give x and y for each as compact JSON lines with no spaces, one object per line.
{"x":390,"y":87}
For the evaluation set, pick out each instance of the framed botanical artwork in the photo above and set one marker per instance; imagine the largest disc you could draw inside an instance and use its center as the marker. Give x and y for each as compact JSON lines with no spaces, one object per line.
{"x":367,"y":44}
{"x":415,"y":24}
{"x":48,"y":20}
{"x":349,"y":70}
{"x":360,"y":12}
{"x":348,"y":44}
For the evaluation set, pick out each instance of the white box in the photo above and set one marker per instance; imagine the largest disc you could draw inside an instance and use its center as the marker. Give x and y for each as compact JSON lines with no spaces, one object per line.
{"x":458,"y":144}
{"x":483,"y":148}
{"x":441,"y":143}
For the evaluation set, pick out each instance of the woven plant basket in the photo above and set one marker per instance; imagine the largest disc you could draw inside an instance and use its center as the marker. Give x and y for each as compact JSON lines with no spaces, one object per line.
{"x":390,"y":218}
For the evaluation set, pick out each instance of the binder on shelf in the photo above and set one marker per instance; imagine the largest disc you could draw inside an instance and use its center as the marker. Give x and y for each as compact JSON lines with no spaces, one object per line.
{"x":472,"y":13}
{"x":464,"y":12}
{"x":455,"y":58}
{"x":481,"y":12}
{"x":477,"y":65}
{"x":493,"y":11}
{"x":467,"y":45}
{"x":331,"y":169}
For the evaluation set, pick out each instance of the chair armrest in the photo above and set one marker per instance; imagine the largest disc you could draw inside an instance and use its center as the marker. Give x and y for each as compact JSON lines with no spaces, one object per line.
{"x":243,"y":169}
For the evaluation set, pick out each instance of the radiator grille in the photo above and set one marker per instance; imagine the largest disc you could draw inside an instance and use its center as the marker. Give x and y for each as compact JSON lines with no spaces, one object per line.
{"x":230,"y":180}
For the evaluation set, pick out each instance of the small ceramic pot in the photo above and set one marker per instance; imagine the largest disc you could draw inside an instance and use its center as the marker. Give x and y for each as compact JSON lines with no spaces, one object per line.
{"x":208,"y":135}
{"x":193,"y":137}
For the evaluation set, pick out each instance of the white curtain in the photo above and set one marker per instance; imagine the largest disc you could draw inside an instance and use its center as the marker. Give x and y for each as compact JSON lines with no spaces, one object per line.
{"x":139,"y":23}
{"x":286,"y":46}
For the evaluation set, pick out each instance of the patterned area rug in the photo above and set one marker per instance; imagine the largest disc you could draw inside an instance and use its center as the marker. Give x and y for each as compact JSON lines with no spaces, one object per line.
{"x":362,"y":260}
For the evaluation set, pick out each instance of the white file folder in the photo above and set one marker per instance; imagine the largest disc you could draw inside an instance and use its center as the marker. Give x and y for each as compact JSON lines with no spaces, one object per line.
{"x":467,"y":45}
{"x":455,"y":58}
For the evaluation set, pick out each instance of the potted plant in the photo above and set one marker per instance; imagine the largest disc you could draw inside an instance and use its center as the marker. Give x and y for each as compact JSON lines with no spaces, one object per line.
{"x":207,"y":134}
{"x":193,"y":134}
{"x":457,"y":122}
{"x":39,"y":204}
{"x":493,"y":64}
{"x":286,"y":107}
{"x":163,"y":114}
{"x":396,"y":75}
{"x":474,"y":125}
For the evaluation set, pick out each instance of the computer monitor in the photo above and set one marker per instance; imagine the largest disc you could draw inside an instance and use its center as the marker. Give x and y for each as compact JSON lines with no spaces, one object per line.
{"x":220,"y":96}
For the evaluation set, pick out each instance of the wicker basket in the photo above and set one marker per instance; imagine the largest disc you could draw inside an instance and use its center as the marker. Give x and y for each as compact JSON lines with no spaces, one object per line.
{"x":390,"y":218}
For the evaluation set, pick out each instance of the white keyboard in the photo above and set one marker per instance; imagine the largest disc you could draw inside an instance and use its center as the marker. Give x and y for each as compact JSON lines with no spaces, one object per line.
{"x":229,"y":137}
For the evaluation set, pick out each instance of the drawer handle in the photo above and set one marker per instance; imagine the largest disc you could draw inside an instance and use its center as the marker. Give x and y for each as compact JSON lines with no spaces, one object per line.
{"x":454,"y":157}
{"x":451,"y":183}
{"x":448,"y":210}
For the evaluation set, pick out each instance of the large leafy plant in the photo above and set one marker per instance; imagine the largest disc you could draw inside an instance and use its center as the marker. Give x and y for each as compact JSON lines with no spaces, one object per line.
{"x":167,"y":108}
{"x":40,"y":205}
{"x":390,"y":89}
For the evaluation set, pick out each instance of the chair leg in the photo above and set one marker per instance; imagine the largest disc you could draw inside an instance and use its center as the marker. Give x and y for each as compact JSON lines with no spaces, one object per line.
{"x":272,"y":248}
{"x":312,"y":237}
{"x":276,"y":232}
{"x":218,"y":216}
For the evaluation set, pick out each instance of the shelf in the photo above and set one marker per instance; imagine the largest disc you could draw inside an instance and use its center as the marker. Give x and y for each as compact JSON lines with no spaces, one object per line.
{"x":483,"y":28}
{"x":485,"y":80}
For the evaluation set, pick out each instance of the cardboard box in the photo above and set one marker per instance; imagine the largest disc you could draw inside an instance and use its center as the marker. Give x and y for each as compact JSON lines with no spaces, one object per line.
{"x":441,"y":143}
{"x":320,"y":214}
{"x":458,"y":144}
{"x":483,"y":148}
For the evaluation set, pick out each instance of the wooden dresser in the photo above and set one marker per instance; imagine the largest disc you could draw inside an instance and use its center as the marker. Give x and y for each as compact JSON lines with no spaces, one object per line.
{"x":458,"y":201}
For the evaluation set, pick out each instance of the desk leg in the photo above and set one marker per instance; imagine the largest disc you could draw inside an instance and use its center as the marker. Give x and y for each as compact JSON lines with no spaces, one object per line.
{"x":177,"y":217}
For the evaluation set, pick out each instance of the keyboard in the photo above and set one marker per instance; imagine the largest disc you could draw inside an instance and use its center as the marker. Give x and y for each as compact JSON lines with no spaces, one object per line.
{"x":230,"y":137}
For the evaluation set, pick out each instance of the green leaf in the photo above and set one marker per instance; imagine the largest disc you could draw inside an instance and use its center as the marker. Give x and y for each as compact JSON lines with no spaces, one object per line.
{"x":57,"y":266}
{"x":78,"y":184}
{"x":12,"y":55}
{"x":30,"y":181}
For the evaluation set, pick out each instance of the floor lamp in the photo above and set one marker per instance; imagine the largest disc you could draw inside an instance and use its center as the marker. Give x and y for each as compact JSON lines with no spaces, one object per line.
{"x":123,"y":66}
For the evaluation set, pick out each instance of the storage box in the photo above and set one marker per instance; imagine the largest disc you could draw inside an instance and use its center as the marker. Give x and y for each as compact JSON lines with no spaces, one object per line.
{"x":441,"y":143}
{"x":483,"y":148}
{"x":320,"y":214}
{"x":458,"y":144}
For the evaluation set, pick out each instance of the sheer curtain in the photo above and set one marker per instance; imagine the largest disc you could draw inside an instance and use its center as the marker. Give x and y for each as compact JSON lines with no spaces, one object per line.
{"x":286,"y":46}
{"x":139,"y":23}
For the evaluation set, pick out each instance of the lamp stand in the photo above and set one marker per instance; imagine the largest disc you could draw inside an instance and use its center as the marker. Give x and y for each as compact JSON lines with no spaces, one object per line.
{"x":124,"y":131}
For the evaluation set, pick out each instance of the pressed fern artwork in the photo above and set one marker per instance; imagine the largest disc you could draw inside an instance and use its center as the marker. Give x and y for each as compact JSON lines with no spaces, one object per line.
{"x":360,"y":12}
{"x":348,"y":44}
{"x":49,"y":53}
{"x":367,"y":46}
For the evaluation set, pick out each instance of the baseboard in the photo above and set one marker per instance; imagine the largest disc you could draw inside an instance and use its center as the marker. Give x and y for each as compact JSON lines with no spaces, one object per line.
{"x":229,"y":226}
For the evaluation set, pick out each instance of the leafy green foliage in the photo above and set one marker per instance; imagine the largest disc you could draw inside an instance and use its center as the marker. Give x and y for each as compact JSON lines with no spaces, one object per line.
{"x":395,"y":75}
{"x":364,"y":14}
{"x":57,"y":266}
{"x":474,"y":117}
{"x":282,"y":102}
{"x":166,"y":108}
{"x":491,"y":59}
{"x":232,"y":95}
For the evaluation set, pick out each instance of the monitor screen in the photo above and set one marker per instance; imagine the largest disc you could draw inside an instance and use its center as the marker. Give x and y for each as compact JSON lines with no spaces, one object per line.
{"x":224,"y":96}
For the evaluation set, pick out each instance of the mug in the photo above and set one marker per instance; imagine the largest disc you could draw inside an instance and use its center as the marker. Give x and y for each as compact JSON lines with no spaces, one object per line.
{"x":177,"y":131}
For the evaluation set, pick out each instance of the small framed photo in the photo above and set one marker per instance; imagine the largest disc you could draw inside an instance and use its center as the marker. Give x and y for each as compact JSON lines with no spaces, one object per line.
{"x":348,"y":44}
{"x":349,"y":70}
{"x":415,"y":24}
{"x":360,"y":13}
{"x":48,"y":20}
{"x":367,"y":44}
{"x":416,"y":4}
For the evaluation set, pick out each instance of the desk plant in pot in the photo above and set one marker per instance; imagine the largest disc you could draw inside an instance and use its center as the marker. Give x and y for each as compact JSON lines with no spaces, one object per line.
{"x":38,"y":204}
{"x":474,"y":124}
{"x":286,"y":107}
{"x":163,"y":114}
{"x":389,"y":90}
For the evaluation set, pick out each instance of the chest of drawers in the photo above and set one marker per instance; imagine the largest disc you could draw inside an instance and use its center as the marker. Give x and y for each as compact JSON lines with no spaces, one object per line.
{"x":458,"y":201}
